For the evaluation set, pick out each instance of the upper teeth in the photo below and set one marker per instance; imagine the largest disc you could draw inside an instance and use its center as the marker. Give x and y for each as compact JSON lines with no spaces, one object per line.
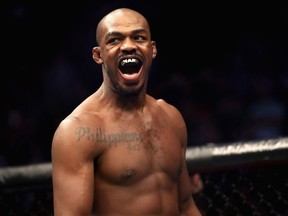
{"x":125,"y":61}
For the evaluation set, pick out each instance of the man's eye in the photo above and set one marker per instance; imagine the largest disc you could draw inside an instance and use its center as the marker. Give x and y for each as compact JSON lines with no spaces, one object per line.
{"x":139,"y":38}
{"x":113,"y":40}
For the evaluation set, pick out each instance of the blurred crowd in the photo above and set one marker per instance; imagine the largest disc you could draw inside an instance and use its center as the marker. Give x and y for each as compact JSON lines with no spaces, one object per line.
{"x":241,"y":95}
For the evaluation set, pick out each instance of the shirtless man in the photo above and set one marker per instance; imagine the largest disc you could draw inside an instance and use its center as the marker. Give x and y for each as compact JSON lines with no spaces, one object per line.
{"x":122,"y":152}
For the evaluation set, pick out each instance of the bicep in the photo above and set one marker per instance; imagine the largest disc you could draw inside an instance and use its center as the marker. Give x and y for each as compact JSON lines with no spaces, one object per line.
{"x":72,"y":176}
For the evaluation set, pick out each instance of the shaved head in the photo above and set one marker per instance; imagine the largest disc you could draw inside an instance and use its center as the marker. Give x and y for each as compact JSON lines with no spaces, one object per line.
{"x":120,"y":16}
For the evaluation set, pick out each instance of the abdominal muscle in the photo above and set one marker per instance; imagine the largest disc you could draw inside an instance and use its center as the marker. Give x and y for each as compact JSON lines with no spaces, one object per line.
{"x":153,"y":195}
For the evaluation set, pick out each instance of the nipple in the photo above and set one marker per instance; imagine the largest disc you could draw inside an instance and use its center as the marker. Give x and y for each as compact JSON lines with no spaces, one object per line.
{"x":128,"y":174}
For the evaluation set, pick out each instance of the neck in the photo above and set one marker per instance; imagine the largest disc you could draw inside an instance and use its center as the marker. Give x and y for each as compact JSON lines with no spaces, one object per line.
{"x":122,"y":101}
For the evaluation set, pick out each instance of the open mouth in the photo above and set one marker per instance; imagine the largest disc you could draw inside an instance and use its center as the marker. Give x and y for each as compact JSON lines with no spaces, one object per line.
{"x":130,"y":66}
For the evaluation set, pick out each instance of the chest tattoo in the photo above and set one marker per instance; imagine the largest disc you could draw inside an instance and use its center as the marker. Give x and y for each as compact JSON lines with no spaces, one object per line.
{"x":111,"y":139}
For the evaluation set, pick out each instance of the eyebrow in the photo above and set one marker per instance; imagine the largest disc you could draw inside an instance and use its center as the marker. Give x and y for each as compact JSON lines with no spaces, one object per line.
{"x":116,"y":33}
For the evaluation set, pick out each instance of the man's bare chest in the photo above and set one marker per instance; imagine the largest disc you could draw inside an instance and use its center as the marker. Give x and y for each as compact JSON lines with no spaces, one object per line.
{"x":135,"y":152}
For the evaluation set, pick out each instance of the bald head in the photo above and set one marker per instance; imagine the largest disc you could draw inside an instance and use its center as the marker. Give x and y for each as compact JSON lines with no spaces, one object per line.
{"x":121,"y":17}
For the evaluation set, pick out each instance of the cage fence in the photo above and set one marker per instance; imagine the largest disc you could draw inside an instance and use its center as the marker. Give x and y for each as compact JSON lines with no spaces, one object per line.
{"x":249,"y":179}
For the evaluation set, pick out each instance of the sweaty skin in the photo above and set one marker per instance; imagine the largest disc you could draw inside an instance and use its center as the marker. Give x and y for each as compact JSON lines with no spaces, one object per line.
{"x":122,"y":152}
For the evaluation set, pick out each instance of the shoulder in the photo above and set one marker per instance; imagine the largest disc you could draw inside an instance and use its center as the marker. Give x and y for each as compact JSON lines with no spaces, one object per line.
{"x":169,"y":110}
{"x":68,"y":127}
{"x":75,"y":134}
{"x":174,"y":116}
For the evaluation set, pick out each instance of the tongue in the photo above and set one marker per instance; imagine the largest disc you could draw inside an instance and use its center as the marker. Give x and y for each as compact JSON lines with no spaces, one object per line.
{"x":130,"y":76}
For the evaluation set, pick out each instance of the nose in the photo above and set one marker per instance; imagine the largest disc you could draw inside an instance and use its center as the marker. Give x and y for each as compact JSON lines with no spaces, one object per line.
{"x":128,"y":45}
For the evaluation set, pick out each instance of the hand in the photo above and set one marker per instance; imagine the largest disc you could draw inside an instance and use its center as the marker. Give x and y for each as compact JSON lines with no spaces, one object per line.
{"x":196,"y":183}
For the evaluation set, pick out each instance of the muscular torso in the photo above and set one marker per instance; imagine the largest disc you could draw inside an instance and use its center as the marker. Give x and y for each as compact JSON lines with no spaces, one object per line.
{"x":138,"y":160}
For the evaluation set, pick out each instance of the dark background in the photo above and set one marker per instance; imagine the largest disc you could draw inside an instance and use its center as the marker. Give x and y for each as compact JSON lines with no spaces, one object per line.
{"x":223,"y":65}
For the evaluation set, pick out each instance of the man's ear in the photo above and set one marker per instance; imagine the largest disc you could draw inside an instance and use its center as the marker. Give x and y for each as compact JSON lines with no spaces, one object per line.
{"x":153,"y":43}
{"x":96,"y":55}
